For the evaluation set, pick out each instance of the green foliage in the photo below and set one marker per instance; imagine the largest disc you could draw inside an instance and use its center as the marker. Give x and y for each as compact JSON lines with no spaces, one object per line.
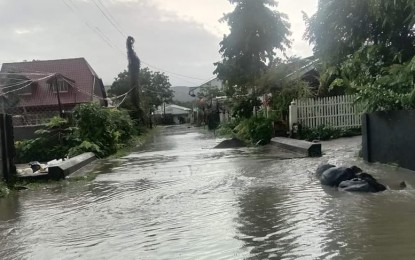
{"x":381,"y":82}
{"x":227,"y":129}
{"x":260,"y":130}
{"x":96,"y":129}
{"x":154,"y":85}
{"x":256,"y":130}
{"x":84,"y":147}
{"x":53,"y":142}
{"x":122,"y":123}
{"x":281,"y":99}
{"x":367,"y":47}
{"x":291,"y":79}
{"x":257,"y":30}
{"x":4,"y":190}
{"x":340,"y":28}
{"x":95,"y":126}
{"x":243,"y":106}
{"x":323,"y":132}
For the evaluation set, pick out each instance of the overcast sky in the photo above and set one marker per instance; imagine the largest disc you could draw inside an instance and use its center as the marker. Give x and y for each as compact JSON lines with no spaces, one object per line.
{"x":179,"y":37}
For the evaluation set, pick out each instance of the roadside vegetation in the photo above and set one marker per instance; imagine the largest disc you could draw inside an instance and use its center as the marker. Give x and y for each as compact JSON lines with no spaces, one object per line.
{"x":361,"y":47}
{"x":366,"y":47}
{"x":323,"y":133}
{"x":103,"y":131}
{"x":4,"y":190}
{"x":92,"y":128}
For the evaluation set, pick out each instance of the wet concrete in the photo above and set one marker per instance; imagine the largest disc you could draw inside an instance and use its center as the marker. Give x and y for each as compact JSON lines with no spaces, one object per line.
{"x":179,"y":199}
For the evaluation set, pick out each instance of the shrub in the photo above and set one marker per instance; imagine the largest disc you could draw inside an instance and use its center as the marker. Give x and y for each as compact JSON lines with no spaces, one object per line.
{"x":243,"y":106}
{"x":95,"y":126}
{"x":227,"y":129}
{"x":123,"y":123}
{"x":323,"y":132}
{"x":260,"y":130}
{"x":53,"y":142}
{"x":255,"y":130}
{"x":4,"y":190}
{"x":94,"y":129}
{"x":84,"y":147}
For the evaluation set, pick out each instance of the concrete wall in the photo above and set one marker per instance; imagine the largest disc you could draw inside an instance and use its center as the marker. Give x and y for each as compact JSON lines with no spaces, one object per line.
{"x":25,"y":132}
{"x":7,"y":154}
{"x":389,"y":137}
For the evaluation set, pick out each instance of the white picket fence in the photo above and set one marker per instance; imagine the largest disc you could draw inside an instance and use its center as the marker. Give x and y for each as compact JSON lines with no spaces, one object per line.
{"x":337,"y":112}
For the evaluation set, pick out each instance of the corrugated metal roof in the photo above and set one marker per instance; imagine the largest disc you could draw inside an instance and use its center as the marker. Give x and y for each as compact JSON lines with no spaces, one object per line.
{"x":76,"y":69}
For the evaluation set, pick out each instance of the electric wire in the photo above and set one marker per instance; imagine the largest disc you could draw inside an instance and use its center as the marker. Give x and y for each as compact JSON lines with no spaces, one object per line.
{"x":97,"y":31}
{"x":109,"y":20}
{"x":14,"y":90}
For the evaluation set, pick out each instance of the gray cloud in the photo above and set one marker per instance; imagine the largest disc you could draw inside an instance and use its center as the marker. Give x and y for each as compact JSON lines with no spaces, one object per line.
{"x":48,"y":29}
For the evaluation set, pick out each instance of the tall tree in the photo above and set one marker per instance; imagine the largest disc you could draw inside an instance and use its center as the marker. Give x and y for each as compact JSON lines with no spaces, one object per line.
{"x":368,"y":47}
{"x":257,"y":31}
{"x":155,"y":86}
{"x":156,"y":89}
{"x":339,"y":27}
{"x":133,"y":72}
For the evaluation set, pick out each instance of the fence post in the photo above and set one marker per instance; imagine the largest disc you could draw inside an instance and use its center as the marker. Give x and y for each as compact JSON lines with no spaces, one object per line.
{"x":293,"y":114}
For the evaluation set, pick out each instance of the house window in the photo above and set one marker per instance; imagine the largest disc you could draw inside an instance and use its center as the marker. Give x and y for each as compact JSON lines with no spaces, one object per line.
{"x":62,"y":85}
{"x":25,"y":91}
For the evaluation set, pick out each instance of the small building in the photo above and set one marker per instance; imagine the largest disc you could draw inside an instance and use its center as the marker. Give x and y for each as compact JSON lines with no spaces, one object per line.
{"x":173,"y":114}
{"x":53,"y":86}
{"x":213,"y":83}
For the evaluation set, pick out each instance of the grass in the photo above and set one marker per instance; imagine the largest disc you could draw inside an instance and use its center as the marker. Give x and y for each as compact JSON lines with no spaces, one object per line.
{"x":135,"y":142}
{"x":4,"y":190}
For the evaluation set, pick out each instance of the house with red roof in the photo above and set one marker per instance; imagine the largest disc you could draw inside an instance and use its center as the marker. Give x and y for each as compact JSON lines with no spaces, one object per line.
{"x":47,"y":88}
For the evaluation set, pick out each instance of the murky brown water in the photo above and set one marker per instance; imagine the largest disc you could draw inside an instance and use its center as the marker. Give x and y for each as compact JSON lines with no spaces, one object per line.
{"x":178,"y":199}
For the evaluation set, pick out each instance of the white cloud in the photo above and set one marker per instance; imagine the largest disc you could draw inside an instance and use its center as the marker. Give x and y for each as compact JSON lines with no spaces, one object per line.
{"x":32,"y":30}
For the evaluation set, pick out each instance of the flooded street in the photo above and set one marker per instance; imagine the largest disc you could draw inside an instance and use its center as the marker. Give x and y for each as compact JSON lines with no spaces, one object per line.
{"x":179,"y":199}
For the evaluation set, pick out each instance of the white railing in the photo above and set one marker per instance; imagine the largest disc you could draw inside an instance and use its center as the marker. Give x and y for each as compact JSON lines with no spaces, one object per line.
{"x":337,"y":112}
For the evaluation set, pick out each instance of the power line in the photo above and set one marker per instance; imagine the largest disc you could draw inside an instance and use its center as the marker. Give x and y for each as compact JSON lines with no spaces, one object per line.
{"x":108,"y":41}
{"x":3,"y":87}
{"x":177,"y":74}
{"x":109,"y":13}
{"x":14,"y":90}
{"x":108,"y":19}
{"x":113,"y":22}
{"x":25,"y":73}
{"x":95,"y":29}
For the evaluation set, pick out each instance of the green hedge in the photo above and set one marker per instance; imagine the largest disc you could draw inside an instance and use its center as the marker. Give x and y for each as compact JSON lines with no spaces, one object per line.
{"x":323,"y":132}
{"x":92,"y":129}
{"x":255,"y":130}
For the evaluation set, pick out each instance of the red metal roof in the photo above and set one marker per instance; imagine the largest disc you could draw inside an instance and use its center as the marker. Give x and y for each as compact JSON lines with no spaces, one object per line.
{"x":76,"y":69}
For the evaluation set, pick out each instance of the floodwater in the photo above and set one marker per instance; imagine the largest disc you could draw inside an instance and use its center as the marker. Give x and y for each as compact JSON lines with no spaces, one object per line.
{"x":179,"y":199}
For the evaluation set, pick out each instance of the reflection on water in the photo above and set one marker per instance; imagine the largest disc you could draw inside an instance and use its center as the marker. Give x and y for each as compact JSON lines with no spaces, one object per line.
{"x":178,"y":199}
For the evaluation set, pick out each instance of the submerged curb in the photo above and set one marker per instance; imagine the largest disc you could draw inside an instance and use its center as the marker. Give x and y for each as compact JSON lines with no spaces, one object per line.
{"x":299,"y":146}
{"x":70,"y":166}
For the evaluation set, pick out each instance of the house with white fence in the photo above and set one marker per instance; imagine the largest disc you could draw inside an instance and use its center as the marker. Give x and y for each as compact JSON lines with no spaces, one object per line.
{"x":337,"y":112}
